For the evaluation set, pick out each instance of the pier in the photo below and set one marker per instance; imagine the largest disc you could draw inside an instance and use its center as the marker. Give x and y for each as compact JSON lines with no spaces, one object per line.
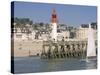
{"x":64,"y":49}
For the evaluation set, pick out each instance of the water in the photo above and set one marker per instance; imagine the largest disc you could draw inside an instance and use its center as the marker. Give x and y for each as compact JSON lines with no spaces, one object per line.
{"x":35,"y":64}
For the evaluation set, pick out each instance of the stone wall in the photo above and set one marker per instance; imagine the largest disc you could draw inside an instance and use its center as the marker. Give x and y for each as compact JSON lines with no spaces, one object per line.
{"x":26,"y":48}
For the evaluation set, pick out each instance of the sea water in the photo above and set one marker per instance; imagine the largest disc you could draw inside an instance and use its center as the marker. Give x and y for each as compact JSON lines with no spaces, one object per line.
{"x":36,"y":64}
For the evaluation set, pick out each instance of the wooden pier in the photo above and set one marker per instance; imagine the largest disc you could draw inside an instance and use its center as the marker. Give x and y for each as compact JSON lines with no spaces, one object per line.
{"x":64,"y":49}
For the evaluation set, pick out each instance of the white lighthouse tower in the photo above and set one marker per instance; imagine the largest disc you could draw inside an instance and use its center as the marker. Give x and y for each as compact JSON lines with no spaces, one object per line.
{"x":54,"y":22}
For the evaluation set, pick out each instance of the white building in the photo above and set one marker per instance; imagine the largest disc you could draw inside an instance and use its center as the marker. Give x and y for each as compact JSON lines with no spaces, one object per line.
{"x":23,"y":33}
{"x":63,"y":35}
{"x":82,"y":33}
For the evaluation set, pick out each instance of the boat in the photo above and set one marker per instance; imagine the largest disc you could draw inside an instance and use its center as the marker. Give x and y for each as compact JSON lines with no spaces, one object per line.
{"x":91,"y":48}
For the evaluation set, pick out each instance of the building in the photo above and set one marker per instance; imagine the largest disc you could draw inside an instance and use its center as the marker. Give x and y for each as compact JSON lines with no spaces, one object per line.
{"x":82,"y":32}
{"x":63,"y":35}
{"x":23,"y":33}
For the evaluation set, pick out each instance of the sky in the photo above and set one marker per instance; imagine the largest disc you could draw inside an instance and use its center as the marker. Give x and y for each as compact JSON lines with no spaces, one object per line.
{"x":73,"y":15}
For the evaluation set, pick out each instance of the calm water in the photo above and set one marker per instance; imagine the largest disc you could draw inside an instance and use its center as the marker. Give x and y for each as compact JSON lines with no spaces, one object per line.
{"x":35,"y":64}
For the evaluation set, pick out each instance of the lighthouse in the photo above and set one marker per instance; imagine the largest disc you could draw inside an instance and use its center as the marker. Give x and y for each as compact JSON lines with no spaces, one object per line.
{"x":54,"y":22}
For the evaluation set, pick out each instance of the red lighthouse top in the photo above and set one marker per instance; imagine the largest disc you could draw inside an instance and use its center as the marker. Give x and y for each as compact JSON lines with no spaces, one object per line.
{"x":54,"y":17}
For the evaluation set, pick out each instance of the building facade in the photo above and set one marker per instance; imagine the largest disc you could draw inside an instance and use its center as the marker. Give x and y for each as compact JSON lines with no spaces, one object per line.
{"x":82,"y":32}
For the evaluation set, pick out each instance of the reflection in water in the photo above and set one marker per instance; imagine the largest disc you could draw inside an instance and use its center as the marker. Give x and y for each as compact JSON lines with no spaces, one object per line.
{"x":91,"y":64}
{"x":35,"y":64}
